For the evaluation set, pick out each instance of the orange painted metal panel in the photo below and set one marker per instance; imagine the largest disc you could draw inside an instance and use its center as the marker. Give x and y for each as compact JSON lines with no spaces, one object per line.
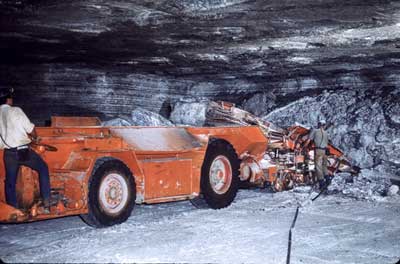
{"x":272,"y":174}
{"x":27,"y":187}
{"x":244,"y":139}
{"x":65,"y":121}
{"x":167,"y":178}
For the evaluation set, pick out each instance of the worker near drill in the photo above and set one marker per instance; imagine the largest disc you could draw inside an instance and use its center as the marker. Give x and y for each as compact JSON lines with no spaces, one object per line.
{"x":16,"y":133}
{"x":321,"y":140}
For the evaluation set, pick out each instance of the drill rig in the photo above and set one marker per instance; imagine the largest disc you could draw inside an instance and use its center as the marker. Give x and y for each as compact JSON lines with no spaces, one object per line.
{"x":286,"y":161}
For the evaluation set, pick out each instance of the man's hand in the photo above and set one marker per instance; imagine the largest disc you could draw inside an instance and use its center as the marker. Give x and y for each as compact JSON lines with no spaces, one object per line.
{"x":36,"y":140}
{"x":306,"y":143}
{"x":34,"y":137}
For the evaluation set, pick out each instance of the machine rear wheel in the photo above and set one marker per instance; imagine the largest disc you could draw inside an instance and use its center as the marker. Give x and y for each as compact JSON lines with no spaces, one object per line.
{"x":220,"y":174}
{"x":112,"y":193}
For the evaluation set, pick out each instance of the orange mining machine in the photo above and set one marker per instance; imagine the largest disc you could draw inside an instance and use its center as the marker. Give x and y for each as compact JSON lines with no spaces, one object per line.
{"x":100,"y":173}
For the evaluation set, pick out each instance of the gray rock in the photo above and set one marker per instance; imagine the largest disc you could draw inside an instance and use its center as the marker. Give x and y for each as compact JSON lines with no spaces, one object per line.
{"x":393,"y":190}
{"x":142,"y":117}
{"x":260,"y":103}
{"x":119,"y":121}
{"x":393,"y":112}
{"x":191,"y":113}
{"x":139,"y":117}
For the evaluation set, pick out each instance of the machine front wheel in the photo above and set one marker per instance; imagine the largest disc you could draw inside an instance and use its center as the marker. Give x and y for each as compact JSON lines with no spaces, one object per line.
{"x":220,"y":174}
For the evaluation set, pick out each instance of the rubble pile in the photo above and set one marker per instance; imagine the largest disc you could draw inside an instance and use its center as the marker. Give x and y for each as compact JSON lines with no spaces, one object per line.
{"x":361,"y":187}
{"x":364,"y":124}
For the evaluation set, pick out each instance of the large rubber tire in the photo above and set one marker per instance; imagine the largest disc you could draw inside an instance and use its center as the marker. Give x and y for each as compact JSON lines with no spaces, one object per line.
{"x":221,"y":162}
{"x":112,"y":193}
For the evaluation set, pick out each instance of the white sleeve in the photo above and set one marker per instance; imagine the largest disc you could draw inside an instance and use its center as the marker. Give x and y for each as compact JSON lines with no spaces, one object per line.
{"x":24,"y":120}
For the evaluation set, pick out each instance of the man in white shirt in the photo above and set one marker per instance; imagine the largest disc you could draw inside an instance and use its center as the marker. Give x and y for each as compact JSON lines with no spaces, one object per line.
{"x":16,"y":133}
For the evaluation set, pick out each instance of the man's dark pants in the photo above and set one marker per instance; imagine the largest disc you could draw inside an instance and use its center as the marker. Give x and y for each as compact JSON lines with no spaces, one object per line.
{"x":12,"y":165}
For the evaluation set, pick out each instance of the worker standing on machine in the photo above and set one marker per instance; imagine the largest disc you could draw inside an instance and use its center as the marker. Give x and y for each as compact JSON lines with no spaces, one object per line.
{"x":321,"y":140}
{"x":16,"y":133}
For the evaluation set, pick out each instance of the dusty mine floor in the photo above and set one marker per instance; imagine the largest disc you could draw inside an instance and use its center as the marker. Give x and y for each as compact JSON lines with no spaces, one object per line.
{"x":333,"y":229}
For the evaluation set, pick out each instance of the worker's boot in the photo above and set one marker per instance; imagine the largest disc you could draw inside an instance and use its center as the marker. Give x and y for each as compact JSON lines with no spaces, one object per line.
{"x":46,"y":206}
{"x":322,"y":184}
{"x":328,"y":179}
